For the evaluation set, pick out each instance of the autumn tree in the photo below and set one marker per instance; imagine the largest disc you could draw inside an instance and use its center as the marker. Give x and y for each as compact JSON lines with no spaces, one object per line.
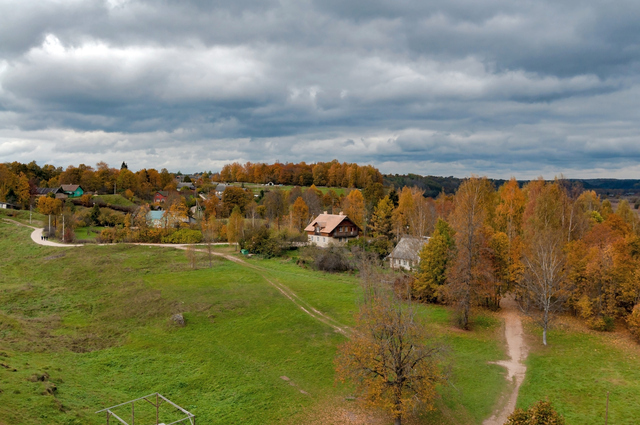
{"x":391,"y":357}
{"x":543,"y":288}
{"x":381,"y":224}
{"x":353,"y":207}
{"x":471,"y":268}
{"x":435,"y":257}
{"x":300,"y":214}
{"x":235,"y":226}
{"x":541,"y":413}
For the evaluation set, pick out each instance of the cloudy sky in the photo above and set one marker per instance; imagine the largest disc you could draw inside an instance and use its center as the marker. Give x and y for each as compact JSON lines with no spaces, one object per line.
{"x":451,"y":87}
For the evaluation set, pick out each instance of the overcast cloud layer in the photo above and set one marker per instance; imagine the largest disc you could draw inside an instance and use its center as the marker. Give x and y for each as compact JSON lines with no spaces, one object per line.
{"x":453,"y":87}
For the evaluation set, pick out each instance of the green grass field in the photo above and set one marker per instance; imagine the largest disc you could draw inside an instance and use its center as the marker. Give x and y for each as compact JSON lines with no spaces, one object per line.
{"x":88,"y":232}
{"x":97,"y":321}
{"x":577,"y":369}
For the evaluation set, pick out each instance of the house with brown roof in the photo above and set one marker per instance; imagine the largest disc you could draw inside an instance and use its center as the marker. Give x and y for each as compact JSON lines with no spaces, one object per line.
{"x":331,"y":228}
{"x":72,"y":190}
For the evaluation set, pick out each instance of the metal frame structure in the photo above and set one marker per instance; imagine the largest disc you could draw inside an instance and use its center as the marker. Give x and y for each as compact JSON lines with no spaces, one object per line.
{"x":159,"y":399}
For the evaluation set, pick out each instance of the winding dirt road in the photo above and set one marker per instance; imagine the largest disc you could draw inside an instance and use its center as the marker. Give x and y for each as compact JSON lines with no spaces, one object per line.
{"x":515,"y":367}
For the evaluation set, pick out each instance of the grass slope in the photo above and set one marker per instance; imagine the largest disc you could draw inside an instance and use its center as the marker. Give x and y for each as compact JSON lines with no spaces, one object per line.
{"x":96,"y":319}
{"x":577,"y":369}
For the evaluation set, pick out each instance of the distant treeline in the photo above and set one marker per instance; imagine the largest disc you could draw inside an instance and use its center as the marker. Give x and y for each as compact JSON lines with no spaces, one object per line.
{"x":332,"y":174}
{"x":433,"y":185}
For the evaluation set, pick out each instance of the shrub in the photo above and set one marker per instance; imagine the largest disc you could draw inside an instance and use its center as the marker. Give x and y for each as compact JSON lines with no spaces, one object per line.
{"x":541,"y":413}
{"x":332,"y":259}
{"x":633,"y":322}
{"x":602,"y":324}
{"x":183,"y":236}
{"x":260,"y":241}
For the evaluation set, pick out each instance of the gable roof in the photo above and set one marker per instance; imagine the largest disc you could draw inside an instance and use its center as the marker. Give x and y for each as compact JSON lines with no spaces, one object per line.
{"x":327,"y":222}
{"x":46,"y":190}
{"x":163,"y":193}
{"x":70,"y":187}
{"x":409,"y":248}
{"x":155,"y":215}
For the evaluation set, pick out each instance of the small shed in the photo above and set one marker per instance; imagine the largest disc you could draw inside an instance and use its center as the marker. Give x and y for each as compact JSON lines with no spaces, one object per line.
{"x":406,"y":254}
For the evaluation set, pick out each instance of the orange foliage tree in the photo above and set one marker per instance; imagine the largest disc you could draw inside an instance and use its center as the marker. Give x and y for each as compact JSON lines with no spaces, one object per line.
{"x":390,"y":356}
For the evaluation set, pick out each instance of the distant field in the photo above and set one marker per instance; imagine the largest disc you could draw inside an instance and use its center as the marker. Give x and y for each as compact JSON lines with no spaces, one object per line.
{"x":96,"y":319}
{"x":257,"y":187}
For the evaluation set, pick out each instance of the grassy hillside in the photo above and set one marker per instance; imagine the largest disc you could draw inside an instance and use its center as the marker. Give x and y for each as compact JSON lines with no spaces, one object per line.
{"x":577,"y":369}
{"x":96,"y":320}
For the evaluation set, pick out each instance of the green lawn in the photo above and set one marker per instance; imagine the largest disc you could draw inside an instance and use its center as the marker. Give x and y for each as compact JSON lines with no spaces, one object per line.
{"x":88,"y":232}
{"x":577,"y":369}
{"x":96,"y":319}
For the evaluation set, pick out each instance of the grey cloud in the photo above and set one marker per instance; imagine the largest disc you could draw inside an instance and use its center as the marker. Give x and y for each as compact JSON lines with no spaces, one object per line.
{"x":411,"y":86}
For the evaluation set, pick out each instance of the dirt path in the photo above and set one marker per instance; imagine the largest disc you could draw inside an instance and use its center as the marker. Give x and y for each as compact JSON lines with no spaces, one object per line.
{"x":36,"y":236}
{"x":515,"y":367}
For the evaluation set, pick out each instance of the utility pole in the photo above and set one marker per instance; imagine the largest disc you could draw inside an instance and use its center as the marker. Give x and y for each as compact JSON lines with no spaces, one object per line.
{"x":114,"y":187}
{"x":49,"y":229}
{"x":30,"y":205}
{"x":63,"y":227}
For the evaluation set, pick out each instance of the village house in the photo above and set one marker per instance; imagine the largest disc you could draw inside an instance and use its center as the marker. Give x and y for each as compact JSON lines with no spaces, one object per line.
{"x":72,"y":190}
{"x":406,"y":254}
{"x":160,"y":196}
{"x":56,"y":191}
{"x":331,"y":228}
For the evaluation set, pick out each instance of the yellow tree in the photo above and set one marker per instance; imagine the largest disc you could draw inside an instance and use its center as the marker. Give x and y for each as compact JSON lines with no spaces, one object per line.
{"x":23,"y":191}
{"x":353,"y":207}
{"x":235,"y":226}
{"x":382,"y":219}
{"x":471,"y":268}
{"x":300,"y":214}
{"x":391,"y":357}
{"x":402,"y":214}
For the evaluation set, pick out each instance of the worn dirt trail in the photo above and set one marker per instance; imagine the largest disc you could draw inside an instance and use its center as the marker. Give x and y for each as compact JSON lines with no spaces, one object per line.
{"x":283,"y":289}
{"x":515,"y":367}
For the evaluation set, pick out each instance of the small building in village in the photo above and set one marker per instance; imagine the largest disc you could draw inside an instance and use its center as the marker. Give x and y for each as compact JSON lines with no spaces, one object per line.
{"x":331,"y":228}
{"x":72,"y":190}
{"x":160,"y":196}
{"x":406,"y":254}
{"x":57,"y":192}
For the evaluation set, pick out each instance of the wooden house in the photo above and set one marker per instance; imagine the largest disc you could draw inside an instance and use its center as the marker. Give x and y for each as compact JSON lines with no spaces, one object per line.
{"x":331,"y":228}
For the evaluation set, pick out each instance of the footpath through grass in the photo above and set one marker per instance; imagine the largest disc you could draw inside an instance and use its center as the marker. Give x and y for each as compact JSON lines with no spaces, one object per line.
{"x":95,"y":322}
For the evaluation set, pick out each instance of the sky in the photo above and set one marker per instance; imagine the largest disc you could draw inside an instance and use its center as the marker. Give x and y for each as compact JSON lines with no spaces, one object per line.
{"x":455,"y":87}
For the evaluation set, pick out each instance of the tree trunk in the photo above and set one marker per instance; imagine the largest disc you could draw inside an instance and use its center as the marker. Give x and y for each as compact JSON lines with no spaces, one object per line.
{"x":544,"y":335}
{"x":398,"y":420}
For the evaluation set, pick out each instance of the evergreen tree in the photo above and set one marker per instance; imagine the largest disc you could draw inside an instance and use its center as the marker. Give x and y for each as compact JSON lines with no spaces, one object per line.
{"x":434,"y":260}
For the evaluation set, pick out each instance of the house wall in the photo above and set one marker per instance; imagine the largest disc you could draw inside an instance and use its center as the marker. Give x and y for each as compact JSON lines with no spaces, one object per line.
{"x":398,"y":263}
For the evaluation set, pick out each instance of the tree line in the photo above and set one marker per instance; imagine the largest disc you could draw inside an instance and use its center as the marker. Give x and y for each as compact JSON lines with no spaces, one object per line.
{"x":332,"y":174}
{"x":553,"y":244}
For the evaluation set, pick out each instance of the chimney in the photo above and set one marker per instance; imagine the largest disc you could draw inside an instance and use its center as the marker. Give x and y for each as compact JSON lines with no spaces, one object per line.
{"x":341,"y":213}
{"x":325,"y":212}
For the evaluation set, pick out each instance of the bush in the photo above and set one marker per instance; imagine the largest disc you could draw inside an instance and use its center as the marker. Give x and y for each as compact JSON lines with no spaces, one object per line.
{"x":183,"y":236}
{"x":633,"y":322}
{"x":332,"y":259}
{"x":260,"y":241}
{"x":602,"y":324}
{"x":541,"y":413}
